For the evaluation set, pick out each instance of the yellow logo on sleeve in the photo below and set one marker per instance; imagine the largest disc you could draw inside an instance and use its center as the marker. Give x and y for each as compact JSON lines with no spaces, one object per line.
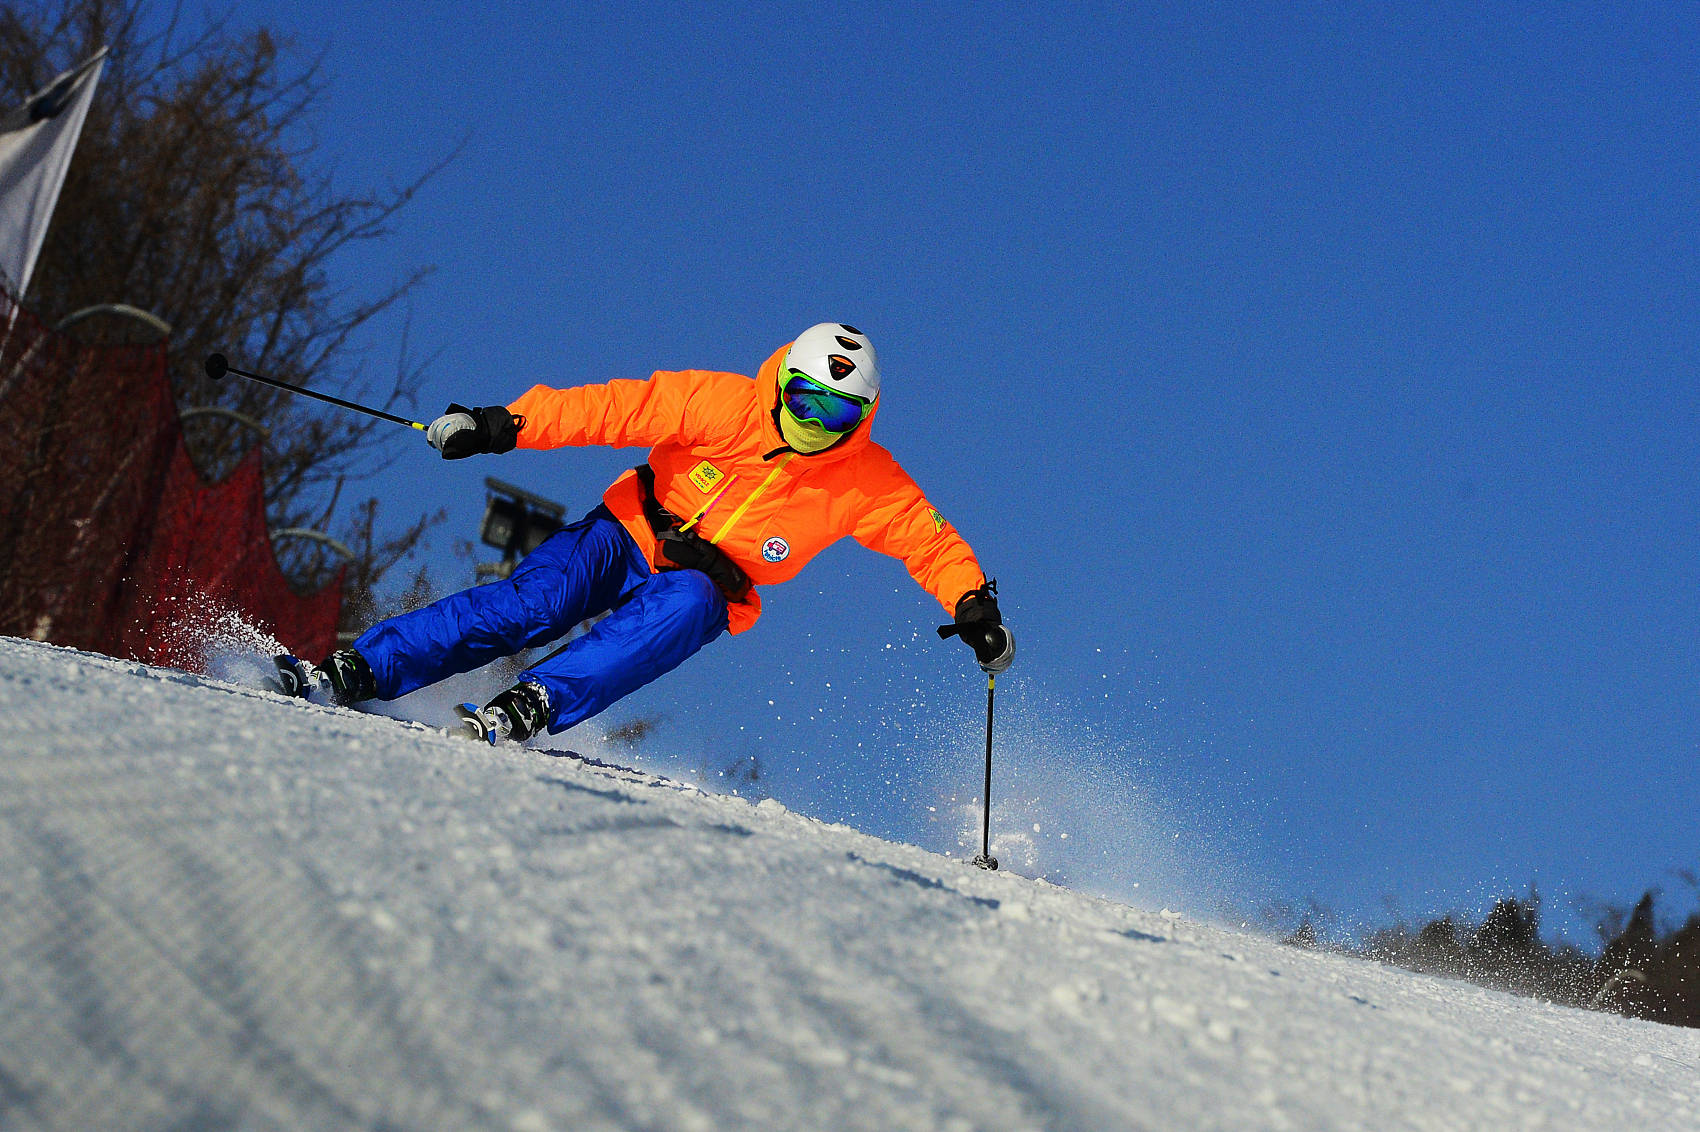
{"x":706,"y":476}
{"x":938,"y":520}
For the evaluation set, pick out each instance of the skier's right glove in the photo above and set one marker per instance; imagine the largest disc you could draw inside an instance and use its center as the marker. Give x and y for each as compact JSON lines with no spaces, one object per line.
{"x":981,"y":627}
{"x":462,"y":432}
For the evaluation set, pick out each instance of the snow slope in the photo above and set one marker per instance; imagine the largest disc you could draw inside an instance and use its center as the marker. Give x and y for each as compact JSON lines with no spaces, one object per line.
{"x":221,"y":909}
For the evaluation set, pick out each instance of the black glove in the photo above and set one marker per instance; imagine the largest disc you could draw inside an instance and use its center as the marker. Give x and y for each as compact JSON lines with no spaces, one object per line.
{"x":981,"y":627}
{"x":462,"y":432}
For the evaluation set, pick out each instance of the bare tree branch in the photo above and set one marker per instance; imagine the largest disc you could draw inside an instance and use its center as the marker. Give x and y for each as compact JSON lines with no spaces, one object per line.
{"x":194,"y":194}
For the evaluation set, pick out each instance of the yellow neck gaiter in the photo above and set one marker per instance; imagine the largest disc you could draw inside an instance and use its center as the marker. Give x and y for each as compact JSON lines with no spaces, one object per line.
{"x":806,"y":436}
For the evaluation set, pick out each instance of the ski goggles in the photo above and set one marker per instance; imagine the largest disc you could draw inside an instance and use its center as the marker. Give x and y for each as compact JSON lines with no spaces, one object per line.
{"x":808,"y":400}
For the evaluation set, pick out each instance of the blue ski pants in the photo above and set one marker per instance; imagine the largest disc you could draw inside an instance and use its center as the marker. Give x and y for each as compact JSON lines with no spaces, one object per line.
{"x":590,"y":567}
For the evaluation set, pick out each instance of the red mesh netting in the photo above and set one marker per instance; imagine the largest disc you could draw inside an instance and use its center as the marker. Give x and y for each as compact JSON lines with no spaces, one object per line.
{"x":109,"y":538}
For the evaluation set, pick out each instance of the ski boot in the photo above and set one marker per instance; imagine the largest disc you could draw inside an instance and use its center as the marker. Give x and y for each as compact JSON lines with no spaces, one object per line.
{"x":344,"y":678}
{"x":348,"y":678}
{"x":514,"y":716}
{"x":294,"y":677}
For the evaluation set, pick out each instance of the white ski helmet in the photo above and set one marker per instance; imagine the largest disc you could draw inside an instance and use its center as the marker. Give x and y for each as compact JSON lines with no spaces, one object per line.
{"x":838,"y":357}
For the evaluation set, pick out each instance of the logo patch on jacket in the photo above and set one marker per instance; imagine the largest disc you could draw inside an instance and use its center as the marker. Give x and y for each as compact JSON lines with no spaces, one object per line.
{"x":775,"y":549}
{"x":938,"y":520}
{"x":706,"y":476}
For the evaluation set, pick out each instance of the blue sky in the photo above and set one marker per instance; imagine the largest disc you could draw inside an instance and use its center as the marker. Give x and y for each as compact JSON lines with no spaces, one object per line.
{"x":1317,"y":380}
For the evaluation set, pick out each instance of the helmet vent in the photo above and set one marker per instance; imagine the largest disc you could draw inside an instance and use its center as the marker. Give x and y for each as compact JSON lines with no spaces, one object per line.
{"x":840,"y":366}
{"x":848,"y":329}
{"x":849,"y":343}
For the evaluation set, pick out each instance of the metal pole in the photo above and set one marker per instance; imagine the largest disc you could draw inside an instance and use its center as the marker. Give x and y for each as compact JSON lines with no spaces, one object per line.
{"x":242,"y":419}
{"x":985,"y":860}
{"x":335,"y":544}
{"x":123,"y":310}
{"x":217,"y":366}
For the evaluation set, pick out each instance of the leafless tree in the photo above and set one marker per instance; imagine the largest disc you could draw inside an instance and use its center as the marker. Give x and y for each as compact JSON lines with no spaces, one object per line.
{"x":195,"y":194}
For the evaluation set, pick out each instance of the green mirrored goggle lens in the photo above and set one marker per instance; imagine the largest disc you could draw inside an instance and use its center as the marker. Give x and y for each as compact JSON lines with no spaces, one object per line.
{"x":807,"y":400}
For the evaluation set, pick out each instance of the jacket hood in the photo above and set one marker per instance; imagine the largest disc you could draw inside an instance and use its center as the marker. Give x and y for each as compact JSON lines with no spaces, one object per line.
{"x":767,"y":397}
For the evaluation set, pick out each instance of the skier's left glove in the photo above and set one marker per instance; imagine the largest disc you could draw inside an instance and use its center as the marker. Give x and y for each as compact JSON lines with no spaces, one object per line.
{"x":462,"y":432}
{"x":981,"y":627}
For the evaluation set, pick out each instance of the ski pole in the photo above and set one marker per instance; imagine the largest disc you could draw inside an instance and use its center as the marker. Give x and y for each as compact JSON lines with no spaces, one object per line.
{"x":985,"y":860}
{"x":218,"y":365}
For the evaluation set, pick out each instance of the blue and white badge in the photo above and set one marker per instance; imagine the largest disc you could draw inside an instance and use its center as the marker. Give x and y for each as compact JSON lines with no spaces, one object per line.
{"x":775,"y":549}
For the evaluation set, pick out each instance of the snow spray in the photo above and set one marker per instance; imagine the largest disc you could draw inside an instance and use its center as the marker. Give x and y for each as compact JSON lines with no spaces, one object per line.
{"x":1081,"y":809}
{"x":199,"y":633}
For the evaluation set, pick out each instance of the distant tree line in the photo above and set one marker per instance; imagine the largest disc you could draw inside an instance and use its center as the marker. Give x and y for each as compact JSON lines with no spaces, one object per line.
{"x":1642,"y":971}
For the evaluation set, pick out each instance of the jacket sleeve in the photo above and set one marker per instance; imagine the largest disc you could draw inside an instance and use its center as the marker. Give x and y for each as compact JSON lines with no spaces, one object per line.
{"x":686,"y":406}
{"x":897,"y":520}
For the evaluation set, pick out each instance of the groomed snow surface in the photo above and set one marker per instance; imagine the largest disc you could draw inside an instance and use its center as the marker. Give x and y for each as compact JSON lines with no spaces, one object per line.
{"x":220,"y":909}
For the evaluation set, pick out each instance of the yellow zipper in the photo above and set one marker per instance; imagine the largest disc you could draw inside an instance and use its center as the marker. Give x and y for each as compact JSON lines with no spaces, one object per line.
{"x":709,"y":506}
{"x":754,"y":495}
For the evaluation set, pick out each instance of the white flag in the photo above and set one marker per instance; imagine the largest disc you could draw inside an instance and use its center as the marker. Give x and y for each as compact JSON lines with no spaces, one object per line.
{"x":36,"y":141}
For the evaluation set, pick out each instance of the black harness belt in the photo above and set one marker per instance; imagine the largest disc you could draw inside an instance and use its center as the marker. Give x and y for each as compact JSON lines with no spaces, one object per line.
{"x":687,"y":550}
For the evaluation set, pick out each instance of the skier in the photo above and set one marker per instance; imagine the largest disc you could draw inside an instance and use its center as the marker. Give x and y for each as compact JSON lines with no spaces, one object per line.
{"x":746,"y":481}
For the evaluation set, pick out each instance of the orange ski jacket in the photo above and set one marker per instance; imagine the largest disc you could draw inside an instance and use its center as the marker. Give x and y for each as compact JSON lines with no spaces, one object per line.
{"x":720,"y":461}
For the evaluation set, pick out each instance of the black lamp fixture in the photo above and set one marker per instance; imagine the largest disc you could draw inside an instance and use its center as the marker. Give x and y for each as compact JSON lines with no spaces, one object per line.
{"x":515,"y":522}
